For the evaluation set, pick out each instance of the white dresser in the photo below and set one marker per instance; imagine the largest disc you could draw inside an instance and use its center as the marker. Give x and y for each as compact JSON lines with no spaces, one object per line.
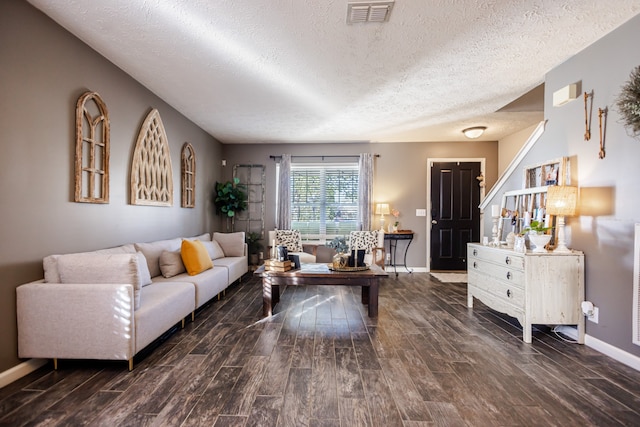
{"x":535,"y":288}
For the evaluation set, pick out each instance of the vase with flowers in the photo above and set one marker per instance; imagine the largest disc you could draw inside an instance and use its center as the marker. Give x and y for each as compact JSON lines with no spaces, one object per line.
{"x":393,"y":228}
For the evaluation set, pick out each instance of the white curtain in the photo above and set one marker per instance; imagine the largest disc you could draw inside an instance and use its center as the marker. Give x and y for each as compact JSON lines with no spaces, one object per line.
{"x":284,"y":194}
{"x":365,"y":190}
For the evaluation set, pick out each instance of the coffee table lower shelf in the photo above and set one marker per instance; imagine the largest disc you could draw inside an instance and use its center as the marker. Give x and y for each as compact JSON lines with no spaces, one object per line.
{"x":320,"y":274}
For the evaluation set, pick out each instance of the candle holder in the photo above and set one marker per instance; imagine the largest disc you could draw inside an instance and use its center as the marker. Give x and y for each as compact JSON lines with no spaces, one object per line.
{"x":494,"y":232}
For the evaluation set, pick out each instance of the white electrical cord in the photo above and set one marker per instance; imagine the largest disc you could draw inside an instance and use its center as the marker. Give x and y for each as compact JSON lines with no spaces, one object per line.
{"x":555,"y":331}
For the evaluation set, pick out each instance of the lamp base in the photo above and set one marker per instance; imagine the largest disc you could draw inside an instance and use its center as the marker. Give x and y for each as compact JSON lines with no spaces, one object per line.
{"x":563,"y":249}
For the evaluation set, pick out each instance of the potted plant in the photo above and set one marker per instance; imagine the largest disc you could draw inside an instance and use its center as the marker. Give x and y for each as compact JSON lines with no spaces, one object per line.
{"x":230,"y":198}
{"x":341,"y":258}
{"x":254,"y":246}
{"x":538,"y":235}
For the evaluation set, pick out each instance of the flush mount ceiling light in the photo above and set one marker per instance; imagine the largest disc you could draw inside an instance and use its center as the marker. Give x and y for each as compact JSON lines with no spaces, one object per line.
{"x":371,"y":11}
{"x":474,"y":132}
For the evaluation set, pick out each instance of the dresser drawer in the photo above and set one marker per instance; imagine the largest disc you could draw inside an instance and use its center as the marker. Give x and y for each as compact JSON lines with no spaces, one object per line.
{"x":505,"y":292}
{"x":506,"y":274}
{"x":500,"y":257}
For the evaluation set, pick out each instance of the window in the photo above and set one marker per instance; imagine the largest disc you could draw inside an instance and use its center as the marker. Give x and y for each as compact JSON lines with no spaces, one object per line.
{"x":324,"y":198}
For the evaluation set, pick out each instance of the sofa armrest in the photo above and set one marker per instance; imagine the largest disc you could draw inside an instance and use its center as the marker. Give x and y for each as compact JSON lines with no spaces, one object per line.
{"x":75,"y":321}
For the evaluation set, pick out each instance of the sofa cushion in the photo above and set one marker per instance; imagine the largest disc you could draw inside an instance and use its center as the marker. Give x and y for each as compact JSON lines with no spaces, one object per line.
{"x":171,"y":263}
{"x":214,"y":249}
{"x":165,"y":304}
{"x":153,"y":250}
{"x":232,"y":243}
{"x":236,"y":266}
{"x":50,"y":263}
{"x":195,"y":257}
{"x":100,"y":269}
{"x":207,"y":284}
{"x":205,"y":237}
{"x":291,"y":239}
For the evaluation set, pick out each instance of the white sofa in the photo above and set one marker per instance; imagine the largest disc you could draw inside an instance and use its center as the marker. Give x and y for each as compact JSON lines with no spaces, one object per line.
{"x":110,"y":304}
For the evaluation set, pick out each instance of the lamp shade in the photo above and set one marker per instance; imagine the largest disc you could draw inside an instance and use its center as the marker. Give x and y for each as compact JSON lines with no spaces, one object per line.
{"x":382,"y":209}
{"x":562,"y":200}
{"x":474,"y":132}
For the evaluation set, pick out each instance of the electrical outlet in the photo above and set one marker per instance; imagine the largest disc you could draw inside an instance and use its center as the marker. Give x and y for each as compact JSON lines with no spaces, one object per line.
{"x":594,"y":317}
{"x":388,"y":257}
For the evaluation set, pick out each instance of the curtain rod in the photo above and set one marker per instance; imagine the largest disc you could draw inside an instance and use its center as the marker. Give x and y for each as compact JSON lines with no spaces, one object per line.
{"x":321,"y":157}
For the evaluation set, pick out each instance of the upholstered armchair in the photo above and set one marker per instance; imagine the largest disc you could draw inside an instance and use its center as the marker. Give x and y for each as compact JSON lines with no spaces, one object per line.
{"x":293,"y":241}
{"x":372,"y":242}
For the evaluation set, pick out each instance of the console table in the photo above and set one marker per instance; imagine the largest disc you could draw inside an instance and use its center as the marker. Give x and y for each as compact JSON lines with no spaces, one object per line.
{"x":535,"y":288}
{"x":393,"y":238}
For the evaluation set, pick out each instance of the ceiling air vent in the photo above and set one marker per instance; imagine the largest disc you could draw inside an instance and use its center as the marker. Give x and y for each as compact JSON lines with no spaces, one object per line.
{"x":376,"y":11}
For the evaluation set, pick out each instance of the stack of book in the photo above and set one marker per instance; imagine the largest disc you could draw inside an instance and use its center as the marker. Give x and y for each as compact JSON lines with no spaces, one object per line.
{"x":273,"y":265}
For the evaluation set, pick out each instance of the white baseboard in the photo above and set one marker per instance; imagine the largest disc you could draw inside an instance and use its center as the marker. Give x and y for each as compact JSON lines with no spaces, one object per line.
{"x":19,"y":371}
{"x":401,"y":269}
{"x":613,"y":352}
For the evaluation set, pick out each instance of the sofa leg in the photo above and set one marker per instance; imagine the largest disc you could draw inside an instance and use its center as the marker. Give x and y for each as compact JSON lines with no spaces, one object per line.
{"x":224,"y":292}
{"x":55,"y":364}
{"x":131,"y":364}
{"x":218,"y":297}
{"x":183,"y":323}
{"x":193,"y":316}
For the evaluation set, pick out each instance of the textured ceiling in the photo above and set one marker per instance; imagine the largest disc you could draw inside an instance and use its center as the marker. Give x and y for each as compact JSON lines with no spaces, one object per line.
{"x":294,"y":71}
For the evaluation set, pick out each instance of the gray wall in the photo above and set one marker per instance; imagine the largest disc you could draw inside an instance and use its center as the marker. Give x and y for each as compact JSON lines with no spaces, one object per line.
{"x":609,"y":188}
{"x":400,"y":175}
{"x":43,"y":71}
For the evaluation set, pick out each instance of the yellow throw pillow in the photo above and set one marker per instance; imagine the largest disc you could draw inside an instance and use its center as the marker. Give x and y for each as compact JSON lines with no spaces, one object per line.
{"x":195,"y":257}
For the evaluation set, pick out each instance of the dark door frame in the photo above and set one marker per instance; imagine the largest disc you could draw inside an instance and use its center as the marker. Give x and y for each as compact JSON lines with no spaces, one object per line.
{"x":430,"y":162}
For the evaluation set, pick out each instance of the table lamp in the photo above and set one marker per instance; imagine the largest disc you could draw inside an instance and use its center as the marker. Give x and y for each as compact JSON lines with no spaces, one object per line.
{"x":382,"y":209}
{"x":562,"y":201}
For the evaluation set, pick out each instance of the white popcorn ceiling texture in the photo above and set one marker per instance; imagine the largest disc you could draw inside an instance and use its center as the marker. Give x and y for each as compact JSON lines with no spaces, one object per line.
{"x":253,"y":71}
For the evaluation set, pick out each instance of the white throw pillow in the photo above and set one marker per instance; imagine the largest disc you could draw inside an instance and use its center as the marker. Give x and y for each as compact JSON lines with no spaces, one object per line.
{"x":101,"y":268}
{"x":232,"y":243}
{"x":143,"y":269}
{"x":214,"y":249}
{"x":50,"y":265}
{"x":171,"y":263}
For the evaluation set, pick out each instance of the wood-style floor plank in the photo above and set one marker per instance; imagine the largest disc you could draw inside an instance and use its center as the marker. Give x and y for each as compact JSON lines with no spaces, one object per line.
{"x":320,"y":361}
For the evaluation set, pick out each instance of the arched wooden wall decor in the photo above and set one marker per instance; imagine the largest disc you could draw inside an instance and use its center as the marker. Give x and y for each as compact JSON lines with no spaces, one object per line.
{"x":151,"y":172}
{"x":188,"y":172}
{"x":92,"y":150}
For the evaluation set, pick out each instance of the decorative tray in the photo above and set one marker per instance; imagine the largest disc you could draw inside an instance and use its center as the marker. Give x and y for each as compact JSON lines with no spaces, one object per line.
{"x":363,"y":268}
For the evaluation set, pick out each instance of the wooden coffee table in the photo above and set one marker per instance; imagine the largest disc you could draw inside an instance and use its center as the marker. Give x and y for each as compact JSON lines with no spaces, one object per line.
{"x":320,"y":274}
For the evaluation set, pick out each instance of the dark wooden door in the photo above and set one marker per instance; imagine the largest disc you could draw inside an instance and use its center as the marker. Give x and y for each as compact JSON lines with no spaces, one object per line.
{"x":455,"y":216}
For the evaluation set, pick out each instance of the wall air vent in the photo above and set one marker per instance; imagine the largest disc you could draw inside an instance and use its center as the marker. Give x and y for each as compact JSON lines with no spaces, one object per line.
{"x":375,"y":11}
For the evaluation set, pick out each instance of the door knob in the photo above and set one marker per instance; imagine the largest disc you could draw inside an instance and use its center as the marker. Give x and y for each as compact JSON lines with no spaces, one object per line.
{"x":433,"y":221}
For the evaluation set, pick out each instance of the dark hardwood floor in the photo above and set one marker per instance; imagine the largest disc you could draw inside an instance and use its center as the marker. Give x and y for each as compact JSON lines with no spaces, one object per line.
{"x":426,"y":360}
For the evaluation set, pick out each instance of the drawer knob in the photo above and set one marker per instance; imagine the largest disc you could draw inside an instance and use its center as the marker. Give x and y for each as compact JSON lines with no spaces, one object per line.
{"x":475,"y":264}
{"x":509,"y":275}
{"x":475,"y":252}
{"x":509,"y":293}
{"x":507,"y":260}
